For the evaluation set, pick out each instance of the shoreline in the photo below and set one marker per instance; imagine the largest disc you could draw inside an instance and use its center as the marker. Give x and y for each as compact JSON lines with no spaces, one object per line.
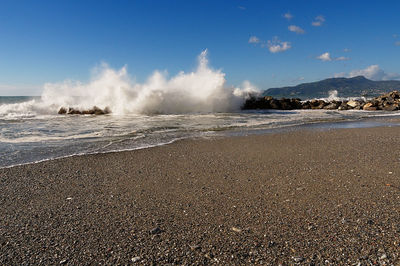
{"x":386,"y":120}
{"x":307,"y":196}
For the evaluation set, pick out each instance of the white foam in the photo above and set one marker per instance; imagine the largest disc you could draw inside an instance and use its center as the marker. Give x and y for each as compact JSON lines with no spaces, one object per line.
{"x":334,"y":96}
{"x":202,"y":90}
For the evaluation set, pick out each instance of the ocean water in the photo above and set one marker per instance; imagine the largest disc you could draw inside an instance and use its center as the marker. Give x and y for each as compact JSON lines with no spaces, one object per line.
{"x":194,"y":104}
{"x":27,"y":134}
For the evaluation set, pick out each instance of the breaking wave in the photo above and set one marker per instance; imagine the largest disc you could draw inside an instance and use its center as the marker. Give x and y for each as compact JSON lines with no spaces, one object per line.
{"x":334,"y":96}
{"x":202,"y":90}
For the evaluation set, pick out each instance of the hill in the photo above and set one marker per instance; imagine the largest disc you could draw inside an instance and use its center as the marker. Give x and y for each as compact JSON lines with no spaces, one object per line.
{"x":346,"y":87}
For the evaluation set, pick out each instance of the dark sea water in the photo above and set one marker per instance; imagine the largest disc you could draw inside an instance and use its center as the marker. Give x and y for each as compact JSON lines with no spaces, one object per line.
{"x":31,"y":132}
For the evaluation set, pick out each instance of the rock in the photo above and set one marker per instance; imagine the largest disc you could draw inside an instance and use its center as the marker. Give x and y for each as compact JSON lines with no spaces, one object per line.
{"x":93,"y":111}
{"x":195,"y":247}
{"x":298,"y":259}
{"x":275,"y":104}
{"x":72,"y":111}
{"x":387,"y":102}
{"x":394,"y":94}
{"x":236,"y":229}
{"x":135,"y":259}
{"x":306,"y":105}
{"x":62,"y":111}
{"x":296,"y":103}
{"x":369,"y":107}
{"x":353,"y":103}
{"x":317,"y":104}
{"x":392,"y":107}
{"x":332,"y":106}
{"x":155,"y":231}
{"x":268,"y":98}
{"x":64,"y":261}
{"x":286,"y":104}
{"x":343,"y":106}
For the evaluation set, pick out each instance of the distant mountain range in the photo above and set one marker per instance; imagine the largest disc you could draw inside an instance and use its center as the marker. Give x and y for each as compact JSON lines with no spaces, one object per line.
{"x":346,"y":87}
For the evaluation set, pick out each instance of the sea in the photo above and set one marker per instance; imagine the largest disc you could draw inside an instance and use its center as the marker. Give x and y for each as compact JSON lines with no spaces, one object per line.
{"x":160,"y":110}
{"x":28,"y":136}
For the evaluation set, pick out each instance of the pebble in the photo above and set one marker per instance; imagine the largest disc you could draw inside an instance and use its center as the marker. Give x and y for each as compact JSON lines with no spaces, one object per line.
{"x":135,"y":259}
{"x":63,"y":261}
{"x":384,"y":256}
{"x":298,"y":259}
{"x":195,"y":247}
{"x":155,"y":231}
{"x":236,"y":229}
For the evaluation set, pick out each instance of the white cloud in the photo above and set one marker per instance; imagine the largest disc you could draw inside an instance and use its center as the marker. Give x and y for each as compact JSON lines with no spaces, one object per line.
{"x":342,"y":58}
{"x":397,"y":43}
{"x":254,"y":39}
{"x":276,"y":46}
{"x":242,"y":7}
{"x":325,"y":57}
{"x":373,"y":72}
{"x":288,"y":16}
{"x":296,"y":29}
{"x":346,"y":50}
{"x":318,"y":21}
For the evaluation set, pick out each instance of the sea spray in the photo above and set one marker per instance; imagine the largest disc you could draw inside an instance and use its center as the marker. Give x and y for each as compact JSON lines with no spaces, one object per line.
{"x":203,"y":90}
{"x":333,"y":95}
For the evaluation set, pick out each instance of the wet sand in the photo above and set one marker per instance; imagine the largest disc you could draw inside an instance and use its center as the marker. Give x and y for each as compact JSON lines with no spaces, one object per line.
{"x":308,"y":196}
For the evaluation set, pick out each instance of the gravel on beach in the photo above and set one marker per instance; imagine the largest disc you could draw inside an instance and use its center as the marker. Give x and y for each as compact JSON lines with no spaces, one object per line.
{"x":301,"y":197}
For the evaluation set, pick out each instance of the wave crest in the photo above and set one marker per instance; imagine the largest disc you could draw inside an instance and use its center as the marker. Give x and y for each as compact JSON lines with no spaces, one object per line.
{"x":203,"y":90}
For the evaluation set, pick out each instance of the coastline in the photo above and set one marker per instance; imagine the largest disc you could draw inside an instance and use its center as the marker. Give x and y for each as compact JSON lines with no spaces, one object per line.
{"x":300,"y":196}
{"x":383,"y":120}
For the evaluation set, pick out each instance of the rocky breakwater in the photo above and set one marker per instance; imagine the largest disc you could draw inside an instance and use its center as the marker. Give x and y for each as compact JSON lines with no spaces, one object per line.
{"x":387,"y":102}
{"x":92,"y":111}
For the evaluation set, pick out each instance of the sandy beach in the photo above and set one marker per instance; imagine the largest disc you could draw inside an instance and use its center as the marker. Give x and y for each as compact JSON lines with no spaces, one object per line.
{"x":301,"y":197}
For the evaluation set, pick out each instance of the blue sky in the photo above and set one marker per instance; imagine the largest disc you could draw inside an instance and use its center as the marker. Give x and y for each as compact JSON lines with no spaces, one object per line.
{"x":269,"y":43}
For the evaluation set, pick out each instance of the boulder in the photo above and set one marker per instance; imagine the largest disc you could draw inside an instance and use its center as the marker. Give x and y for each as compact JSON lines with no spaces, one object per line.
{"x":353,"y":103}
{"x":62,"y":111}
{"x":333,"y":105}
{"x":394,"y":94}
{"x":286,"y":104}
{"x":93,"y":111}
{"x":317,"y":104}
{"x":72,"y":111}
{"x":343,"y":106}
{"x":296,"y":103}
{"x":387,"y":102}
{"x":275,"y":104}
{"x":268,"y":98}
{"x":369,"y":107}
{"x":390,"y":107}
{"x":306,"y":105}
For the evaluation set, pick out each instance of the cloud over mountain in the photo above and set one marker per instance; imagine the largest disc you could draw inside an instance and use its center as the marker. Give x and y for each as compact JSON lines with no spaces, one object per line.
{"x":373,"y":72}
